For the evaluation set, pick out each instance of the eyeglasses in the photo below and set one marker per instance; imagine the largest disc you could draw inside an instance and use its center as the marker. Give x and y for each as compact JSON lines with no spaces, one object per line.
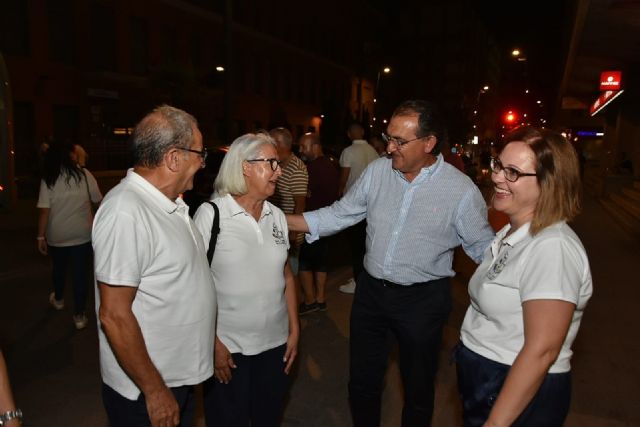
{"x":274,"y":163}
{"x":203,"y":153}
{"x":510,"y":174}
{"x":399,"y":141}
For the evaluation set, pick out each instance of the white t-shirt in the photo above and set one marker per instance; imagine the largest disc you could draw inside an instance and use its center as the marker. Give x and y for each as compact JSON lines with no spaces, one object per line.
{"x":357,"y":156}
{"x":142,"y":239}
{"x":248,"y":273}
{"x":69,"y":207}
{"x":551,"y":265}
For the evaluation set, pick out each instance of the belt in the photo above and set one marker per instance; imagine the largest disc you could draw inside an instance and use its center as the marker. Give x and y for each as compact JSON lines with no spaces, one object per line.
{"x":392,"y":285}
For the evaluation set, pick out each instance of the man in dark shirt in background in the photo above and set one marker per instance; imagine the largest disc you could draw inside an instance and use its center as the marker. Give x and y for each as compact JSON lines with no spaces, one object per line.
{"x":323,"y":191}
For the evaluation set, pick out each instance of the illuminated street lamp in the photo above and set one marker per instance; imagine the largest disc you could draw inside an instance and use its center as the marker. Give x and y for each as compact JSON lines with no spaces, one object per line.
{"x":385,"y":70}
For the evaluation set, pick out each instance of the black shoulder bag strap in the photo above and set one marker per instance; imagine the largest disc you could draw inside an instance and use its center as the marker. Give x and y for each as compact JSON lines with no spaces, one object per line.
{"x":215,"y":229}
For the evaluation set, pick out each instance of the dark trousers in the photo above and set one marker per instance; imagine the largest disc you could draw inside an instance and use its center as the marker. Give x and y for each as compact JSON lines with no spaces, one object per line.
{"x":123,"y":412}
{"x":357,"y":235}
{"x":78,"y":256}
{"x":479,"y":383}
{"x":415,"y":315}
{"x":255,"y":395}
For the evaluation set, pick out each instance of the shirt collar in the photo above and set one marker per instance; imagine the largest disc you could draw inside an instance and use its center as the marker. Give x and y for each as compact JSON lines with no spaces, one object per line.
{"x":166,"y":204}
{"x":359,"y":141}
{"x":426,"y":171}
{"x":516,"y":237}
{"x":234,"y":207}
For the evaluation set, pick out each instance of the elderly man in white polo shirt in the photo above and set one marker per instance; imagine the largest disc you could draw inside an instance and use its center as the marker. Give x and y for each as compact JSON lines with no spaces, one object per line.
{"x":155,"y":297}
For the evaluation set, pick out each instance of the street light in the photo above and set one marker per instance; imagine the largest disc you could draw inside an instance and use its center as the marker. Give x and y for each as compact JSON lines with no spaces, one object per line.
{"x":385,"y":70}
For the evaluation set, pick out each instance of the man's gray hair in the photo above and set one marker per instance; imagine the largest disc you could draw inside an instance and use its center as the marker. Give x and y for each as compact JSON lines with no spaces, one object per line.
{"x":230,"y":179}
{"x":158,"y":132}
{"x":286,"y":139}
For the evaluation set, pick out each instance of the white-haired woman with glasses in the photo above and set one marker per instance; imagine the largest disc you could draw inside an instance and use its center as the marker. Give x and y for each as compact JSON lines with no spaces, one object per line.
{"x":257,"y":328}
{"x":529,"y":294}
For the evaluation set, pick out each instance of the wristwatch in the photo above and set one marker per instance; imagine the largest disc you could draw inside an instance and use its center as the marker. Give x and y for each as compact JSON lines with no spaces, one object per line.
{"x":10,"y":415}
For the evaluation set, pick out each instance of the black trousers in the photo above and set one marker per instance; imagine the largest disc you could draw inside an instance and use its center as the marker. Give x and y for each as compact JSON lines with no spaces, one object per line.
{"x":415,"y":315}
{"x":123,"y":412}
{"x":357,"y":235}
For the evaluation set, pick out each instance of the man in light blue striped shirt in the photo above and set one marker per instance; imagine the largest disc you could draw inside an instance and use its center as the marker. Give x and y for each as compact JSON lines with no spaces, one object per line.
{"x":418,"y":210}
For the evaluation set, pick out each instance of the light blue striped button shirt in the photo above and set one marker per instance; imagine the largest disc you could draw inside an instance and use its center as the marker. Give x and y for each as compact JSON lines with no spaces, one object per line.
{"x":412,"y":227}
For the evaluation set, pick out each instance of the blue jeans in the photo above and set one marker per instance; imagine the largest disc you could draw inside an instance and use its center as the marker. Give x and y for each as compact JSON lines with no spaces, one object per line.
{"x":79,"y":257}
{"x":479,"y":383}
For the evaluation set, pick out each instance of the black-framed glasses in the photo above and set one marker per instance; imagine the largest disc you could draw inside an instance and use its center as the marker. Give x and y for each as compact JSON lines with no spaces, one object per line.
{"x":399,"y":141}
{"x":273,"y":162}
{"x":202,"y":153}
{"x":510,"y":174}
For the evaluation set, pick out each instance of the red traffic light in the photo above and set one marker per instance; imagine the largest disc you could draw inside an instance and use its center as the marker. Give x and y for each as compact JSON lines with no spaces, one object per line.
{"x":510,"y":117}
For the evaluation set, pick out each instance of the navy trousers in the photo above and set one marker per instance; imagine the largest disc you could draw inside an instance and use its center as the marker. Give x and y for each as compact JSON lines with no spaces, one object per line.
{"x":254,"y":397}
{"x":479,"y":383}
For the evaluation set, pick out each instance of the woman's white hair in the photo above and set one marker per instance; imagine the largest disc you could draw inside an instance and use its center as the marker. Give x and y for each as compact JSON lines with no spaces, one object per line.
{"x":230,"y":179}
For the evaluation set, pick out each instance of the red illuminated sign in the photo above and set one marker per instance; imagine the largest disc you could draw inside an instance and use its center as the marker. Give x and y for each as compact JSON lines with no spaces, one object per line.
{"x":610,"y":80}
{"x":603,"y":100}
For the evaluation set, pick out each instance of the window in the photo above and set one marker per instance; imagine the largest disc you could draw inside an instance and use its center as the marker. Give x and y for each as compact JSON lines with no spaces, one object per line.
{"x":60,"y":16}
{"x":14,"y":27}
{"x":170,"y":46}
{"x":273,"y":81}
{"x":196,"y":50}
{"x":24,"y":126}
{"x":139,"y":46}
{"x":65,"y":122}
{"x":103,"y":37}
{"x":257,"y":79}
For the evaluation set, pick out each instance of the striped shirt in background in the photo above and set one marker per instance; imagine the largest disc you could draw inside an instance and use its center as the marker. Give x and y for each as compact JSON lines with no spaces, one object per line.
{"x":293,"y":182}
{"x":412,"y":227}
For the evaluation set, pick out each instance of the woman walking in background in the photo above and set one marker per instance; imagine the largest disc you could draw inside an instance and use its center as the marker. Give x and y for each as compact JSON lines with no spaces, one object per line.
{"x":67,"y":193}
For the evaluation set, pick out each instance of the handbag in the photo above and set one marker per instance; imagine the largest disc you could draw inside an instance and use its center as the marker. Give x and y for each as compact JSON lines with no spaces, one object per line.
{"x":215,"y":229}
{"x":94,"y":206}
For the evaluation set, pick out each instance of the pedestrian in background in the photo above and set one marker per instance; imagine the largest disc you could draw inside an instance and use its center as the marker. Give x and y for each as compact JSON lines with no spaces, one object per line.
{"x":291,"y":189}
{"x":529,"y":294}
{"x":379,"y":145}
{"x":155,"y":298}
{"x":418,"y":209}
{"x":353,"y":161}
{"x":323,"y":191}
{"x":67,"y":193}
{"x":257,"y":326}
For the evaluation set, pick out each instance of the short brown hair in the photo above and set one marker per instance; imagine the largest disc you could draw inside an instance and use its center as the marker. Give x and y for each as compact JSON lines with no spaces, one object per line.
{"x":558,"y":173}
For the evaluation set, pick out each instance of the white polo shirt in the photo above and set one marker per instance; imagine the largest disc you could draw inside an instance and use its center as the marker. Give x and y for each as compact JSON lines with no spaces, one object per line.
{"x":551,"y":265}
{"x":69,"y":207}
{"x":142,"y":239}
{"x":357,"y":156}
{"x":248,"y":272}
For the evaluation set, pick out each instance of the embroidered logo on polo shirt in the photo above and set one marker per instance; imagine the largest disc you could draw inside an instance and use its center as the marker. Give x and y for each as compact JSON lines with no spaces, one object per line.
{"x":498,"y":266}
{"x":278,"y":235}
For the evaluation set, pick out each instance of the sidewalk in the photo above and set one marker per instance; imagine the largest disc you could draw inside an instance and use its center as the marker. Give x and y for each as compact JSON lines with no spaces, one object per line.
{"x":55,"y":375}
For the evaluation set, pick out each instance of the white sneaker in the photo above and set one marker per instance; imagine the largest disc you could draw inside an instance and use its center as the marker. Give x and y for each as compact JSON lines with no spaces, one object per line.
{"x":349,"y":287}
{"x":80,"y":321}
{"x":57,"y":304}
